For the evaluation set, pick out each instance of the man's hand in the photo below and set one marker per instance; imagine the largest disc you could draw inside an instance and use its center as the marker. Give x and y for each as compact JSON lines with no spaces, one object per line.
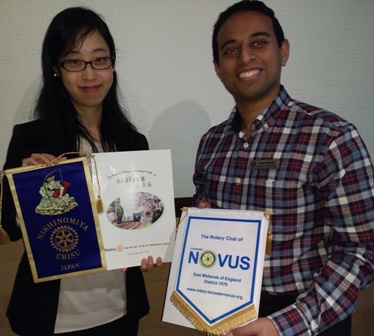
{"x":203,"y":204}
{"x":261,"y":327}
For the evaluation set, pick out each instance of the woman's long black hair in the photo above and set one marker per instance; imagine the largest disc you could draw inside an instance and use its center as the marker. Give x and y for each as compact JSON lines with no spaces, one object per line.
{"x":69,"y":28}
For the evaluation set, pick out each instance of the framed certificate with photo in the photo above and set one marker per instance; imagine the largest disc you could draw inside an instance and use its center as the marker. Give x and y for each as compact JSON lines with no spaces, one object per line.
{"x":138,"y":218}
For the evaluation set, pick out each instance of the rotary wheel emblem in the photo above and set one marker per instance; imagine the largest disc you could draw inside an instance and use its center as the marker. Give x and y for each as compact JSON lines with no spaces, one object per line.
{"x":64,"y":239}
{"x":208,"y":258}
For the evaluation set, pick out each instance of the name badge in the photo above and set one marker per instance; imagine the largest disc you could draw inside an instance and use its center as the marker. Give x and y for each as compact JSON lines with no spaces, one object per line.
{"x":264,"y":164}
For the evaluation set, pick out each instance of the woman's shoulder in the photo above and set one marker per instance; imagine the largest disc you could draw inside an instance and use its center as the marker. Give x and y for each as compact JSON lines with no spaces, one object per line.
{"x":30,"y":137}
{"x":31,"y":125}
{"x":33,"y":133}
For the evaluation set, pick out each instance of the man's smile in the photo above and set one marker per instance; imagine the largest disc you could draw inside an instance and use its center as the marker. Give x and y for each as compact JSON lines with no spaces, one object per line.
{"x":249,"y":74}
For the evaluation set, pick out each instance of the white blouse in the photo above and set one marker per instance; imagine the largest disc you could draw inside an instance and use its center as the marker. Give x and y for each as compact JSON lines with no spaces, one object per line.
{"x":91,"y":300}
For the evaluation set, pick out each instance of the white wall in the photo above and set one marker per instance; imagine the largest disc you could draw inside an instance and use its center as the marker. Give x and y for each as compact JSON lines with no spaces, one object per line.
{"x":166,"y":73}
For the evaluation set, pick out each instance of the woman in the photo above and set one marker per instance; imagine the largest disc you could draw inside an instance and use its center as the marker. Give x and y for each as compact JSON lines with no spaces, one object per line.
{"x":77,"y":110}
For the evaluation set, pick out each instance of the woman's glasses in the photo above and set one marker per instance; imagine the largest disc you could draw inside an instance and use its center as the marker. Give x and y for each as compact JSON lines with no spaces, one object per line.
{"x":74,"y":65}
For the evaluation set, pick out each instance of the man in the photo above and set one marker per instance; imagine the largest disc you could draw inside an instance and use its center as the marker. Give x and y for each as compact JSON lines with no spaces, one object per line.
{"x":308,"y":166}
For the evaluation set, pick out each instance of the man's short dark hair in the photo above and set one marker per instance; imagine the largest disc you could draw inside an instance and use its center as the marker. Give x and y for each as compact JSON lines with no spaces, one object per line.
{"x":245,"y":6}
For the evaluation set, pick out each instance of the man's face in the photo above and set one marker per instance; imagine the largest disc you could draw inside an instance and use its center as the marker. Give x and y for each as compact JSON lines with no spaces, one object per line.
{"x":250,"y":60}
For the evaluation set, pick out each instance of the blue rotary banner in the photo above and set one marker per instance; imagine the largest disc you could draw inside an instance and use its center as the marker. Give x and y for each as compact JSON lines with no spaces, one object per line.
{"x":59,"y":222}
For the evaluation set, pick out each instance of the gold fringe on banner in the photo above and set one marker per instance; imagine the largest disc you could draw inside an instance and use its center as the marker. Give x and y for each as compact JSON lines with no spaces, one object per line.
{"x":4,"y":238}
{"x":231,"y":322}
{"x":99,"y":204}
{"x":185,"y":209}
{"x":269,"y":239}
{"x":99,"y":201}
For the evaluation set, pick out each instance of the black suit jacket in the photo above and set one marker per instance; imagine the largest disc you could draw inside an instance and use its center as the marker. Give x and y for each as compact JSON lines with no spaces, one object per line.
{"x":33,"y":306}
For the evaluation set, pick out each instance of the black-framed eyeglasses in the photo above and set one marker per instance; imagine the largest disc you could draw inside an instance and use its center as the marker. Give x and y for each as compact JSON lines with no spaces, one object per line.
{"x":75,"y":65}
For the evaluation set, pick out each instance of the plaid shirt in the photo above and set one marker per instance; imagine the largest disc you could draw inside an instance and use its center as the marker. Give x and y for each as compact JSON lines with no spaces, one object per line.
{"x":321,"y":196}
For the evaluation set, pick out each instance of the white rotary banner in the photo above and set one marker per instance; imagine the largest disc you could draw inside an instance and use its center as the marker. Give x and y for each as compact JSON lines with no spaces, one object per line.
{"x":216,"y":273}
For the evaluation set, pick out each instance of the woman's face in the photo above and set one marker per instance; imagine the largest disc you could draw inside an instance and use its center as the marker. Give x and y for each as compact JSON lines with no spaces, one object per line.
{"x":88,"y":88}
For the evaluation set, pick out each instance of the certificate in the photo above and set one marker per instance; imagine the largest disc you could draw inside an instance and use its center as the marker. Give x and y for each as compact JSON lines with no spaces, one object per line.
{"x":138,"y":220}
{"x":216,"y":272}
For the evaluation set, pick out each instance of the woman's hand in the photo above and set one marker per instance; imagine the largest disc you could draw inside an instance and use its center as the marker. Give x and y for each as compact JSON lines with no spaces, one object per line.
{"x":147,"y":264}
{"x":40,"y":158}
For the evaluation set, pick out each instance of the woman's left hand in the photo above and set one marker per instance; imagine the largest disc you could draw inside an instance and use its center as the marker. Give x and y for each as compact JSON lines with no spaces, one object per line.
{"x":147,"y":264}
